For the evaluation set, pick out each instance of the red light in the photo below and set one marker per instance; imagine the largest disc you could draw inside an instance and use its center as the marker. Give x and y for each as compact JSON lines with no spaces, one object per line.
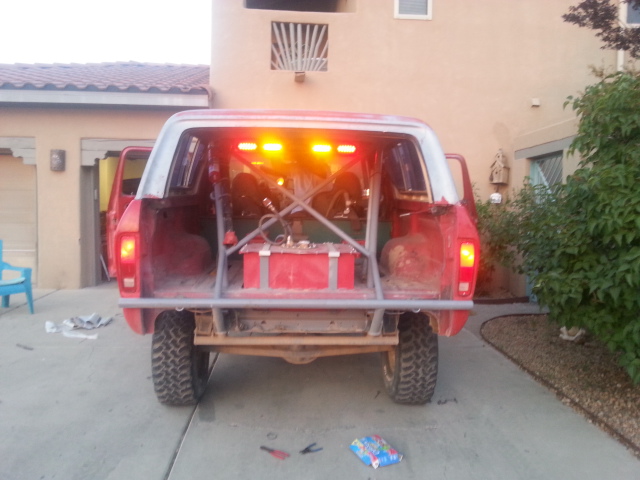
{"x":127,"y":249}
{"x":346,"y":149}
{"x":247,"y":146}
{"x":467,"y":255}
{"x":467,"y":268}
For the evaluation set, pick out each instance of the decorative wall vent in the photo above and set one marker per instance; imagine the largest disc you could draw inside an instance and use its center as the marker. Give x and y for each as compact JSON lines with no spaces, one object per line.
{"x":299,"y":47}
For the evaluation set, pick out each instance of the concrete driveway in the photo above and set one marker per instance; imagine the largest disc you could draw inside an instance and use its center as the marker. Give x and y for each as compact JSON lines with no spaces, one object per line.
{"x":85,"y":409}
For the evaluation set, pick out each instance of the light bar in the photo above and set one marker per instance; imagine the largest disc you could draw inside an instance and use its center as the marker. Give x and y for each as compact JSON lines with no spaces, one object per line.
{"x":272,"y":147}
{"x":321,"y":148}
{"x":247,"y":146}
{"x":346,"y":148}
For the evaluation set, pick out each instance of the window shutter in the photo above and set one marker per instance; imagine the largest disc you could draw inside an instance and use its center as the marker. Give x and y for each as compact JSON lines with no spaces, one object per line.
{"x":413,"y":7}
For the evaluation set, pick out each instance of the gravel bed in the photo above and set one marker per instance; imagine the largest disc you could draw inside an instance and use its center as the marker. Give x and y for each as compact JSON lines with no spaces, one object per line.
{"x":584,"y":374}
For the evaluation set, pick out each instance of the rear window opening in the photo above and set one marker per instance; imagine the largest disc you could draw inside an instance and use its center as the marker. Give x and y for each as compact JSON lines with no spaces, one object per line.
{"x":264,"y":164}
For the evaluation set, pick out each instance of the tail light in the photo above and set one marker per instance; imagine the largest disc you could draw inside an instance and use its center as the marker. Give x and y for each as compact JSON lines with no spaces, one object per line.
{"x":129,"y":260}
{"x":467,"y":268}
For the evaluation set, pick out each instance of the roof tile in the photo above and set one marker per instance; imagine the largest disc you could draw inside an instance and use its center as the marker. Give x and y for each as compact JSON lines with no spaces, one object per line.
{"x":121,"y":76}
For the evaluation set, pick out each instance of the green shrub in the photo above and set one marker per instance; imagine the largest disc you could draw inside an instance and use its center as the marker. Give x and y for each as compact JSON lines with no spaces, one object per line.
{"x":580,"y":243}
{"x":497,"y":237}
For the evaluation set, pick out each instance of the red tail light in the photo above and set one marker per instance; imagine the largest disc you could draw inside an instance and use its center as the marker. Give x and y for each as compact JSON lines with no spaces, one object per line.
{"x":467,"y":268}
{"x":127,"y":249}
{"x":129,"y":256}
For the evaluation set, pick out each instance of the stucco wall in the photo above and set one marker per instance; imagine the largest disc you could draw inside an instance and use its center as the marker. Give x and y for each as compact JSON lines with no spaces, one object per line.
{"x":60,"y":235}
{"x":471,"y":72}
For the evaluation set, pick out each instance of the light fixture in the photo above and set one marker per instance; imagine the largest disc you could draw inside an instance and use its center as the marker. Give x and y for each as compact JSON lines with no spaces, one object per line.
{"x":57,"y":160}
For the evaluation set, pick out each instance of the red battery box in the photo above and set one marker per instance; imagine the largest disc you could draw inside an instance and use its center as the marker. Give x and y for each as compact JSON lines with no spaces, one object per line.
{"x":300,"y":267}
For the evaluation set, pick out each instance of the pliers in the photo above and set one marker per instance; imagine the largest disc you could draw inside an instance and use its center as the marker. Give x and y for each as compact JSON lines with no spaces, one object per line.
{"x":310,"y":449}
{"x":279,"y":454}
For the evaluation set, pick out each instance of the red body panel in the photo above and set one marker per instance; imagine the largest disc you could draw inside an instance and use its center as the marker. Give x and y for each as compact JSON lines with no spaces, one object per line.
{"x":118,"y":202}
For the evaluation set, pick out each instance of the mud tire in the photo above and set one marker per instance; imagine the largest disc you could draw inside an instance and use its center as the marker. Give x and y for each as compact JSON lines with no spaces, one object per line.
{"x":179,"y":369}
{"x":410,"y":371}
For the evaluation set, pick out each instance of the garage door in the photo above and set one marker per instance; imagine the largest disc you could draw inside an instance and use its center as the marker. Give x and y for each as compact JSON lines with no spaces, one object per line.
{"x":18,"y":212}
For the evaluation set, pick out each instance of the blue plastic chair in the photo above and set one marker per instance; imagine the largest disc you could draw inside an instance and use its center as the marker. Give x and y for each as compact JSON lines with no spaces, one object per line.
{"x":21,"y":284}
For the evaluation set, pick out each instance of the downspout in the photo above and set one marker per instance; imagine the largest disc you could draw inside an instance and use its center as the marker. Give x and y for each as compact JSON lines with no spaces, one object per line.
{"x":622,"y":10}
{"x":210,"y":94}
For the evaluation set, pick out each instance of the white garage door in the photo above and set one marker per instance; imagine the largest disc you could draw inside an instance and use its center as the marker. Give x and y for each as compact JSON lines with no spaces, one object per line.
{"x":18,"y":212}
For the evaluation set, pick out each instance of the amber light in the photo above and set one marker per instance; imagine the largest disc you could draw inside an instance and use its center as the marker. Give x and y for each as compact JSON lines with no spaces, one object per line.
{"x":127,"y":249}
{"x":247,"y":146}
{"x":346,"y":149}
{"x":272,"y":147}
{"x":321,"y":148}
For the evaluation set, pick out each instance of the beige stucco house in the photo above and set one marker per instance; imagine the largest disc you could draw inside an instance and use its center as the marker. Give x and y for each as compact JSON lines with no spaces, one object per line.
{"x":490,"y":77}
{"x":60,"y":128}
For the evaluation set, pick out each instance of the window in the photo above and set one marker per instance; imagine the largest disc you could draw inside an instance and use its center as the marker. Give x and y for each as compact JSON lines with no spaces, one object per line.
{"x":189,"y":157}
{"x":413,"y":9}
{"x":632,"y":14}
{"x":404,"y":167}
{"x":299,"y":47}
{"x":547,"y":169}
{"x":328,"y":6}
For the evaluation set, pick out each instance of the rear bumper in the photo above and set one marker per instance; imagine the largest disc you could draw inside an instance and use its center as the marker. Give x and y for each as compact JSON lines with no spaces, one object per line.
{"x":296,"y":304}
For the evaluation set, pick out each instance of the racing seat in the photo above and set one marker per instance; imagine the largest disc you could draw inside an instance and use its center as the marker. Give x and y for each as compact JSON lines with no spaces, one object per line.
{"x":246,"y":196}
{"x":344,"y":199}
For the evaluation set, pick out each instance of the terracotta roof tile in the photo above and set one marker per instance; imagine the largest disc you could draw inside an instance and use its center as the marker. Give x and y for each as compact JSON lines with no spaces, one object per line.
{"x":116,"y":77}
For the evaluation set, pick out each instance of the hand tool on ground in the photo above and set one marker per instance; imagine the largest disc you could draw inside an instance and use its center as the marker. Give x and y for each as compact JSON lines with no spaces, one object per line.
{"x":276,"y":453}
{"x":310,"y":449}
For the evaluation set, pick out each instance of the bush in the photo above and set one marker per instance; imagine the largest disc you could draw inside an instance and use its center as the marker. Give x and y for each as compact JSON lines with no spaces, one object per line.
{"x":581,"y":242}
{"x":497,"y":237}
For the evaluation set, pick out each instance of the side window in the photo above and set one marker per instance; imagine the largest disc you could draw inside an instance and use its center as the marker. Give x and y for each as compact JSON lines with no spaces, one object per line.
{"x":405,"y":168}
{"x":190,"y":155}
{"x":633,"y":15}
{"x":547,"y":169}
{"x":413,"y":9}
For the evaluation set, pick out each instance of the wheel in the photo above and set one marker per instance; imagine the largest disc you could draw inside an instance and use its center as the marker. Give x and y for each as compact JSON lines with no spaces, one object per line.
{"x":410,"y":370}
{"x":180,"y":370}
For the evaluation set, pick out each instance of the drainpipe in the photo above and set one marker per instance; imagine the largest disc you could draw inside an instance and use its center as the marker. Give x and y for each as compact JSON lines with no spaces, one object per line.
{"x":622,"y":20}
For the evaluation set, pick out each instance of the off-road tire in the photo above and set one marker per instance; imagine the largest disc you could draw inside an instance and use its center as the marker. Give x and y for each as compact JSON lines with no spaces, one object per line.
{"x":410,"y":371}
{"x":179,"y":369}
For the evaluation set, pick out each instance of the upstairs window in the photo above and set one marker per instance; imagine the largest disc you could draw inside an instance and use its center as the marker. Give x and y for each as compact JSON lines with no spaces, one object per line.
{"x":299,"y":47}
{"x":633,"y":15}
{"x":413,"y":9}
{"x":328,"y":6}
